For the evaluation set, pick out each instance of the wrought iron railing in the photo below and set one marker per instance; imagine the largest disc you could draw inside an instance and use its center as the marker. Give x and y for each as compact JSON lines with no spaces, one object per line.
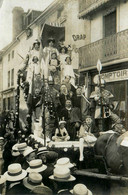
{"x":107,"y":49}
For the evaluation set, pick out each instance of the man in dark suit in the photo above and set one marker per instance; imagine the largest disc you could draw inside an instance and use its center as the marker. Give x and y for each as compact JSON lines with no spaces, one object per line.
{"x":72,"y":116}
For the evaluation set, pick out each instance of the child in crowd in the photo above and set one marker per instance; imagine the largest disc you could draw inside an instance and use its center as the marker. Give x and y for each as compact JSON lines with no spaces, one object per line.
{"x":61,"y":133}
{"x":86,"y":130}
{"x":54,"y":66}
{"x":62,"y":57}
{"x":63,"y":54}
{"x":67,"y":70}
{"x":35,"y":70}
{"x":86,"y":134}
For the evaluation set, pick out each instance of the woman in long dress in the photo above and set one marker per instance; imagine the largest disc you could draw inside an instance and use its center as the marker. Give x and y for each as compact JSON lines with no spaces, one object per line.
{"x":67,"y":70}
{"x":47,"y":51}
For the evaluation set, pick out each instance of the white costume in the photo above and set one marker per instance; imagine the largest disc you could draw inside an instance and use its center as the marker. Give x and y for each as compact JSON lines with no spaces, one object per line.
{"x":47,"y":57}
{"x":63,"y":135}
{"x":62,"y":58}
{"x":67,"y":70}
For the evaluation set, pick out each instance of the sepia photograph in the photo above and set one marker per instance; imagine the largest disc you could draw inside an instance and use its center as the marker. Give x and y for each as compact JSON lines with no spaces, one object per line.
{"x":63,"y":97}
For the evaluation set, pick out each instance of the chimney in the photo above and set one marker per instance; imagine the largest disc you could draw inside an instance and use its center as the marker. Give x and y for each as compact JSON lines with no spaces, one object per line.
{"x":17,"y":21}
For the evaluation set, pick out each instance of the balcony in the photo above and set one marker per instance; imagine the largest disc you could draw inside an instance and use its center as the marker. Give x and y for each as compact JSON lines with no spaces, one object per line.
{"x":87,"y":7}
{"x":111,"y":48}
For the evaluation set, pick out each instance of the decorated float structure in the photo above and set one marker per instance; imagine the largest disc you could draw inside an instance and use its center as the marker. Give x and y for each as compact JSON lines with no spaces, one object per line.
{"x":36,"y":113}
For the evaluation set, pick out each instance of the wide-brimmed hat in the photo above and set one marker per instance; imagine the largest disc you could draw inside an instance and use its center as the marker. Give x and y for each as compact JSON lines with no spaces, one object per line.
{"x":34,"y":179}
{"x":43,"y":190}
{"x":80,"y":189}
{"x":51,"y":39}
{"x":62,"y":175}
{"x":2,"y":179}
{"x":15,"y":172}
{"x":15,"y":151}
{"x":62,"y":122}
{"x":63,"y":47}
{"x":42,"y":150}
{"x":36,"y":41}
{"x":28,"y":151}
{"x":36,"y":166}
{"x":21,"y":147}
{"x":64,"y":163}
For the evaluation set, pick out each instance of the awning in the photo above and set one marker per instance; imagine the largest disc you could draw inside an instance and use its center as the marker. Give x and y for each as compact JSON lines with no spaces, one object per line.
{"x":54,"y":30}
{"x":92,"y":7}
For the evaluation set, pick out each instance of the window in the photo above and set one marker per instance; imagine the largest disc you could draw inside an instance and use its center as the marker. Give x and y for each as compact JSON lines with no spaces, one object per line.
{"x":29,"y":19}
{"x":8,"y":103}
{"x":110,"y":41}
{"x":12,"y":77}
{"x":9,"y":57}
{"x":8,"y":78}
{"x":28,"y":32}
{"x":12,"y":102}
{"x":4,"y":104}
{"x":13,"y":54}
{"x":110,"y":24}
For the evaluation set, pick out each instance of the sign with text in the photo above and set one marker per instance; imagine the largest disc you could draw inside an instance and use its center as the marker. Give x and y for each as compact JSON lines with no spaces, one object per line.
{"x":79,"y":37}
{"x":118,"y":75}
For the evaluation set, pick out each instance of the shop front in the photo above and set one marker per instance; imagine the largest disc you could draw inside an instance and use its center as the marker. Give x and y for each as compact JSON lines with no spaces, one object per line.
{"x":117,"y":83}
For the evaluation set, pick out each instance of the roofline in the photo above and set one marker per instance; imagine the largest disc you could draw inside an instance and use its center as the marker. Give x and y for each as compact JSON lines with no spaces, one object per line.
{"x":43,"y":15}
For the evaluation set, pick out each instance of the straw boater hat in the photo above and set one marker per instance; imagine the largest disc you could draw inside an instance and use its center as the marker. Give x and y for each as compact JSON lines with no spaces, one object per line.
{"x":33,"y":180}
{"x":15,"y":151}
{"x":80,"y":189}
{"x":62,"y":175}
{"x":64,"y":163}
{"x":21,"y":147}
{"x":42,"y":150}
{"x":43,"y":190}
{"x":2,"y":179}
{"x":28,"y":151}
{"x":15,"y":172}
{"x":36,"y":166}
{"x":1,"y":138}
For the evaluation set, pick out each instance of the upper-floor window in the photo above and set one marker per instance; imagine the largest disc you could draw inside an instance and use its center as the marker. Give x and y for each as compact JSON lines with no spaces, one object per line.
{"x":29,"y":33}
{"x":29,"y":18}
{"x":12,"y":77}
{"x":8,"y":78}
{"x":9,"y":103}
{"x":110,"y":23}
{"x":9,"y":57}
{"x":13,"y":54}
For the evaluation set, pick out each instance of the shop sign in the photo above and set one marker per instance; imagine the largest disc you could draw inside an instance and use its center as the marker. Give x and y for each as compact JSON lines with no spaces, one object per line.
{"x":79,"y":37}
{"x":114,"y":76}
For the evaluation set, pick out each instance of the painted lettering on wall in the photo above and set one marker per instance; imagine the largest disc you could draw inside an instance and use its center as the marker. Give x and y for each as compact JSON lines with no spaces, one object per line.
{"x":79,"y":37}
{"x":115,"y":75}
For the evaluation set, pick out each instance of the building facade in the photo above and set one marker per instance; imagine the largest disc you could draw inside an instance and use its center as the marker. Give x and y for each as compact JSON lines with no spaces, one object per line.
{"x":108,"y":41}
{"x":59,"y":13}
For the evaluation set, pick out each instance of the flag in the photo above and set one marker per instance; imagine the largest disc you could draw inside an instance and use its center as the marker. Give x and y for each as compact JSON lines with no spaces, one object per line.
{"x":99,"y":65}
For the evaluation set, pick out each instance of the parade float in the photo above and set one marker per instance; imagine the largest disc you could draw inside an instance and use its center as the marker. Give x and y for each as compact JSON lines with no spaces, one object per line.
{"x":36,"y":115}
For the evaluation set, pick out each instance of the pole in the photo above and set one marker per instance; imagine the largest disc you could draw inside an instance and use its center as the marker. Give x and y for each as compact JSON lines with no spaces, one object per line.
{"x":43,"y":120}
{"x":43,"y":114}
{"x":99,"y":68}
